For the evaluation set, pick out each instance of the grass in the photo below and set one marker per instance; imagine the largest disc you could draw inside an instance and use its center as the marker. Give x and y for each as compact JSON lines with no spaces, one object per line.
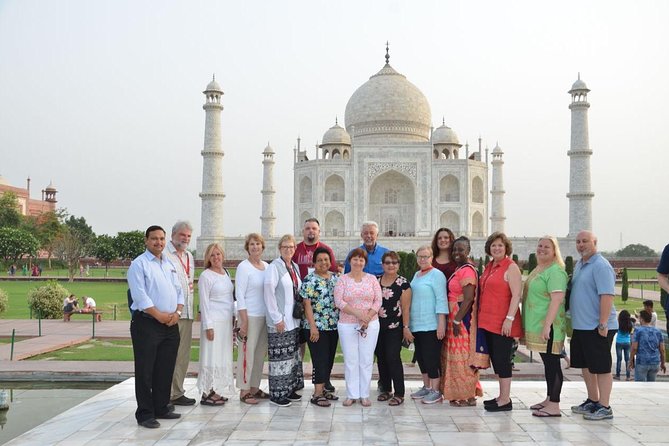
{"x":99,"y":272}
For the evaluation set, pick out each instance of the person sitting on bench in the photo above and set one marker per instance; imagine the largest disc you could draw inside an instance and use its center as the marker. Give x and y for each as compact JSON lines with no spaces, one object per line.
{"x":89,"y":307}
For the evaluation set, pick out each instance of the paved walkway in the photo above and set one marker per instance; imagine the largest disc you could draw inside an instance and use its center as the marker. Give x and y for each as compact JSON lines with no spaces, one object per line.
{"x":108,"y":419}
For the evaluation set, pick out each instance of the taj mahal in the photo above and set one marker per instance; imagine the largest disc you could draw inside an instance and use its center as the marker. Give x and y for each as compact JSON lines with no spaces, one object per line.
{"x":389,"y":164}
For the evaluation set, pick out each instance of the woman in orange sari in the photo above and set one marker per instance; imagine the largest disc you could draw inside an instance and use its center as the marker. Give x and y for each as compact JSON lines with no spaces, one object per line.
{"x":460,"y":382}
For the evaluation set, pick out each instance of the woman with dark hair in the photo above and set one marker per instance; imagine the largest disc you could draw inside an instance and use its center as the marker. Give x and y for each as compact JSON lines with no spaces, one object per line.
{"x":544,"y":320}
{"x":320,"y":324}
{"x":624,"y":343}
{"x":441,"y":251}
{"x":460,"y":382}
{"x":394,"y":322}
{"x":358,"y":297}
{"x":499,"y":317}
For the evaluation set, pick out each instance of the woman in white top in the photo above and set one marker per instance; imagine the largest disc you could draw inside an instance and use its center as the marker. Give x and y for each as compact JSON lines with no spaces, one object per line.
{"x":216,"y":308}
{"x":249,"y":283}
{"x":282,"y":281}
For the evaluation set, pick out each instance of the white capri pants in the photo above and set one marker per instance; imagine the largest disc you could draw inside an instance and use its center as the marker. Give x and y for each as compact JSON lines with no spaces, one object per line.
{"x":358,"y":357}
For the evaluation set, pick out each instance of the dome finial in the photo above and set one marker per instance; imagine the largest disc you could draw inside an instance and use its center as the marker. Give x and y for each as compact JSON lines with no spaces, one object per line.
{"x":443,"y":120}
{"x":213,"y":77}
{"x":387,"y":53}
{"x":579,"y":75}
{"x":336,"y":120}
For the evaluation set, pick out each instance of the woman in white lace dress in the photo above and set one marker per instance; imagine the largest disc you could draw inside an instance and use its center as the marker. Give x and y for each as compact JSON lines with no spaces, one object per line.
{"x":216,"y":307}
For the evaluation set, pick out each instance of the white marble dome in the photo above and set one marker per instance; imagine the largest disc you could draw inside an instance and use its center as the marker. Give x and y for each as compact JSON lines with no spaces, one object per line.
{"x":579,"y":85}
{"x":336,"y":135}
{"x":213,"y":86}
{"x":388,"y":108}
{"x":444,"y":135}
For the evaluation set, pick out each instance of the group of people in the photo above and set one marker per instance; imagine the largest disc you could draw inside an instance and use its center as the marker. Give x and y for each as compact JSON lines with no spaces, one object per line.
{"x":71,"y":305}
{"x":458,"y":322}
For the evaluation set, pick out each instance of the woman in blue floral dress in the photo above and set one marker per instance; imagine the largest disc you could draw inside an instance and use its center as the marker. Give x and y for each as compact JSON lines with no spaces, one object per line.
{"x":394,"y":322}
{"x":320,"y":323}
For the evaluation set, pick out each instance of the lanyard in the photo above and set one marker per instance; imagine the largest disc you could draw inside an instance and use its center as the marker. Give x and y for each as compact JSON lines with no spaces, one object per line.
{"x":186,"y":266}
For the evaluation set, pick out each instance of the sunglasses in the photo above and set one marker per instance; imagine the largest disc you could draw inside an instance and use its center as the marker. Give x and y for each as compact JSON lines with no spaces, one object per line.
{"x":394,"y":262}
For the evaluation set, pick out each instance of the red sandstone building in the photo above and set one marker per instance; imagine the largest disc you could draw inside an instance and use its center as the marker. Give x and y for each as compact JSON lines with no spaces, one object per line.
{"x":29,"y":206}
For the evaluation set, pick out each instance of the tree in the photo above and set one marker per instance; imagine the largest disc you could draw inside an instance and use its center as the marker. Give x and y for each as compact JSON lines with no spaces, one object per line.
{"x":46,"y":227}
{"x":129,"y":244}
{"x":531,"y":262}
{"x":625,"y":293}
{"x":70,"y":249}
{"x":104,"y":249}
{"x":515,"y":258}
{"x":82,"y":231}
{"x":636,"y":250}
{"x":569,"y":265}
{"x":10,"y":217}
{"x":16,"y":243}
{"x":408,"y":264}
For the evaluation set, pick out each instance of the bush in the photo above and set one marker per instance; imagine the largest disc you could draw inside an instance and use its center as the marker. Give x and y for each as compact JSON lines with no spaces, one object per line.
{"x":408,"y":265}
{"x":569,"y":265}
{"x":4,"y":301}
{"x":47,"y":300}
{"x":625,"y":292}
{"x":531,"y":263}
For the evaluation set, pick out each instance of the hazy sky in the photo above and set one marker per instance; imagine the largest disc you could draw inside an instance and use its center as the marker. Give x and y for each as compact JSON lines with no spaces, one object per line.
{"x":104,"y":98}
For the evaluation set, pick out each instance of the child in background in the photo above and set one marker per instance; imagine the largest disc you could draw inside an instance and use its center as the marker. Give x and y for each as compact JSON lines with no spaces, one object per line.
{"x":624,"y":342}
{"x":647,"y":350}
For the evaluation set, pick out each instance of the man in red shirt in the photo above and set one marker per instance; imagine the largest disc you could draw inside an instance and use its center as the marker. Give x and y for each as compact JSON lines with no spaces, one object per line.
{"x":304,"y":252}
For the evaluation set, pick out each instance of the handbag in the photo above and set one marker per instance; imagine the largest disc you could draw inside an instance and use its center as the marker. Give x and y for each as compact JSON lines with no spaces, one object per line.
{"x":298,"y":308}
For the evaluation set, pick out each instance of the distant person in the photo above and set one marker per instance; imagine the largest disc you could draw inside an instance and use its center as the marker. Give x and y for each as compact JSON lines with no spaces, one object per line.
{"x":89,"y":306}
{"x":69,"y":307}
{"x":177,"y":252}
{"x":157,"y":300}
{"x":35,"y":271}
{"x":624,"y":343}
{"x":12,"y":270}
{"x":369,"y":234}
{"x":648,"y":353}
{"x":595,"y":322}
{"x":648,"y":306}
{"x":663,"y":280}
{"x":24,"y":270}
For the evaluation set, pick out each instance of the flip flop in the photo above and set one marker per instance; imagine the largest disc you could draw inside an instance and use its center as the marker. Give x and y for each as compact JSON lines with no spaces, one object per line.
{"x":348,"y":402}
{"x":538,"y":406}
{"x":543,"y":414}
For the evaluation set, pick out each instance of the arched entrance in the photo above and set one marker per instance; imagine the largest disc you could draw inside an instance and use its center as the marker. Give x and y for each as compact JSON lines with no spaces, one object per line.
{"x":392,"y":203}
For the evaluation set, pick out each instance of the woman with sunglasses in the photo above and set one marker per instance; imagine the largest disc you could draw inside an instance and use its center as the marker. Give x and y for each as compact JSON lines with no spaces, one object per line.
{"x":358,"y":297}
{"x":394,"y":322}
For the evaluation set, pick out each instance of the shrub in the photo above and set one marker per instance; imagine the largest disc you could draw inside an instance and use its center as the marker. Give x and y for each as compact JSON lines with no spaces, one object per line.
{"x":47,"y":300}
{"x":4,"y":301}
{"x":625,"y":292}
{"x":531,"y":262}
{"x":408,"y":264}
{"x":569,"y":265}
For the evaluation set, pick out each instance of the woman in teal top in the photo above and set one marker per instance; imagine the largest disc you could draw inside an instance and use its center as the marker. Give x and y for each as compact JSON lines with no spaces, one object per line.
{"x":427,"y":322}
{"x":544,"y":320}
{"x":624,"y":342}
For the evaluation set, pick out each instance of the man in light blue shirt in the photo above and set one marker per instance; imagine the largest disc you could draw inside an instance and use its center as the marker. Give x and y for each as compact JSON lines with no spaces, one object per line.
{"x":593,"y":317}
{"x":369,"y":233}
{"x":157,"y":302}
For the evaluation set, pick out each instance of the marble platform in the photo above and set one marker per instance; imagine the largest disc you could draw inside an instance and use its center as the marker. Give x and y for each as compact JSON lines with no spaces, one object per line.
{"x":641,"y":416}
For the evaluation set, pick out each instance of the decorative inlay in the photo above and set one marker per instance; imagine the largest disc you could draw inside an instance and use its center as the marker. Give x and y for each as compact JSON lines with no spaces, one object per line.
{"x":375,"y":169}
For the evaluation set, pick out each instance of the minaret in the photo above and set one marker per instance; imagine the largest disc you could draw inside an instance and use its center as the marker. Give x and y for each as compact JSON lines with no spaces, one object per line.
{"x":267,"y":218}
{"x":497,"y":193}
{"x":212,"y":171}
{"x":580,"y":195}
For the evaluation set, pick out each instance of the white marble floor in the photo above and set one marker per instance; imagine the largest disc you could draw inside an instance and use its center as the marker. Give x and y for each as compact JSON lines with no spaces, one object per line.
{"x":641,"y":416}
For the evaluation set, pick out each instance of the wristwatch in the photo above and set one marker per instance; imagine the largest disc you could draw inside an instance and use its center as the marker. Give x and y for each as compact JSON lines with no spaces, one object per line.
{"x":178,"y":312}
{"x":601,"y":327}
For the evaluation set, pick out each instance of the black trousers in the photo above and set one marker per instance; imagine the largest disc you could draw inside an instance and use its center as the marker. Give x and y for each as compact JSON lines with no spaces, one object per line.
{"x":388,"y":348}
{"x":155,"y":347}
{"x":322,"y":354}
{"x":553,"y":372}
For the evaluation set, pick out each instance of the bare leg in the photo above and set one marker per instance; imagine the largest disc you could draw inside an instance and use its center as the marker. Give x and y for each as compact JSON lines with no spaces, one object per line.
{"x":604,"y":385}
{"x":426,"y":381}
{"x":504,"y":391}
{"x":591,"y":385}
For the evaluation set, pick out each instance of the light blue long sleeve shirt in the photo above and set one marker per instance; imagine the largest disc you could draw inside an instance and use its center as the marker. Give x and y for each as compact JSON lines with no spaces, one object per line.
{"x":154,"y":282}
{"x":428,"y":300}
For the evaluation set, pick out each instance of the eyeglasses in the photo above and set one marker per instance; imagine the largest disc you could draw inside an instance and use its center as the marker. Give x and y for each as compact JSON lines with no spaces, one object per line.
{"x":287,"y":247}
{"x":424,"y":257}
{"x":394,"y":262}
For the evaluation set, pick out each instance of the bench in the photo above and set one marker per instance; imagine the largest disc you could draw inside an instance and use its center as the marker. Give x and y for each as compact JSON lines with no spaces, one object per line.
{"x":68,"y":315}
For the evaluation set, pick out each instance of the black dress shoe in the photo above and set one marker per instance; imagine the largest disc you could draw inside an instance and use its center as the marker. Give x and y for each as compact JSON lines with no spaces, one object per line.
{"x":151,"y":423}
{"x":492,"y":402}
{"x":170,"y":407}
{"x":183,"y":400}
{"x":169,"y":416}
{"x":505,"y":408}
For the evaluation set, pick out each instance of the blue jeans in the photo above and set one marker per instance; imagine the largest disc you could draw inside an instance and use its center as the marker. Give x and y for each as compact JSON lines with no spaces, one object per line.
{"x":620,"y":349}
{"x":646,"y":372}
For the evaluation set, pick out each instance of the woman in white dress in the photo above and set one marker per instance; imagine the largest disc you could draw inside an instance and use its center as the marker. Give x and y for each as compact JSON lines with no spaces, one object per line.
{"x":216,"y":308}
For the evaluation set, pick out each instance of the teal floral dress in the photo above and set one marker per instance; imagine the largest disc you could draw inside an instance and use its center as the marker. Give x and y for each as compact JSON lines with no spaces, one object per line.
{"x":320,"y":292}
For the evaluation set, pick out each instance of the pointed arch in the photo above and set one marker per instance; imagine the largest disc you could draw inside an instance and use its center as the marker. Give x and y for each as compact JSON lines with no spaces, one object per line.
{"x":392,"y":203}
{"x":449,"y":189}
{"x":305,"y":190}
{"x":477,"y":224}
{"x":335,"y":190}
{"x":334,"y":224}
{"x":451,"y":220}
{"x":477,"y":190}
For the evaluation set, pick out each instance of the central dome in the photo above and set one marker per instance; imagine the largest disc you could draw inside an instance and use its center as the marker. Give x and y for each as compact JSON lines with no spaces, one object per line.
{"x":388,"y":109}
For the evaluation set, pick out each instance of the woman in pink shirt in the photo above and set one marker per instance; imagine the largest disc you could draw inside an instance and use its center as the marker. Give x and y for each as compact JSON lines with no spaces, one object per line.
{"x":358,"y":297}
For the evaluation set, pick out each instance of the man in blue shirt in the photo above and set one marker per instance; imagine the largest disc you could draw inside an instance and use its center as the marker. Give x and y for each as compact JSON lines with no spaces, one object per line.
{"x":663,"y":280}
{"x":595,"y":324}
{"x":369,"y":233}
{"x":157,"y":302}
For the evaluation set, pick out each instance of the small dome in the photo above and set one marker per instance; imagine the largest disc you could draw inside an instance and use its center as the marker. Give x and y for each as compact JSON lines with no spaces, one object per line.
{"x":388,"y":107}
{"x":497,"y":149}
{"x":50,"y":187}
{"x":579,"y":85}
{"x":268,"y":150}
{"x":213,"y":85}
{"x":444,"y":135}
{"x":336,"y":135}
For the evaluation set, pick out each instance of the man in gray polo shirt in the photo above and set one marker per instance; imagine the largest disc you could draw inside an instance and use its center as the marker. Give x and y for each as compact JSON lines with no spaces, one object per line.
{"x":593,"y":317}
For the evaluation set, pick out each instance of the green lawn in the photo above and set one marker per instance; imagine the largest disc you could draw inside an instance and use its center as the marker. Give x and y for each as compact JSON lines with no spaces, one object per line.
{"x":100,"y":272}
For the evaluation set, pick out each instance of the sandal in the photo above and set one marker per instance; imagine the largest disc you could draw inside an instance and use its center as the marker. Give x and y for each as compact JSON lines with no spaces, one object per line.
{"x":261,"y":395}
{"x":365,"y":402}
{"x":395,"y":401}
{"x":538,"y":406}
{"x":249,"y":398}
{"x":330,"y":396}
{"x":319,"y":401}
{"x":348,"y":402}
{"x":216,"y":396}
{"x":210,"y":400}
{"x":384,"y":396}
